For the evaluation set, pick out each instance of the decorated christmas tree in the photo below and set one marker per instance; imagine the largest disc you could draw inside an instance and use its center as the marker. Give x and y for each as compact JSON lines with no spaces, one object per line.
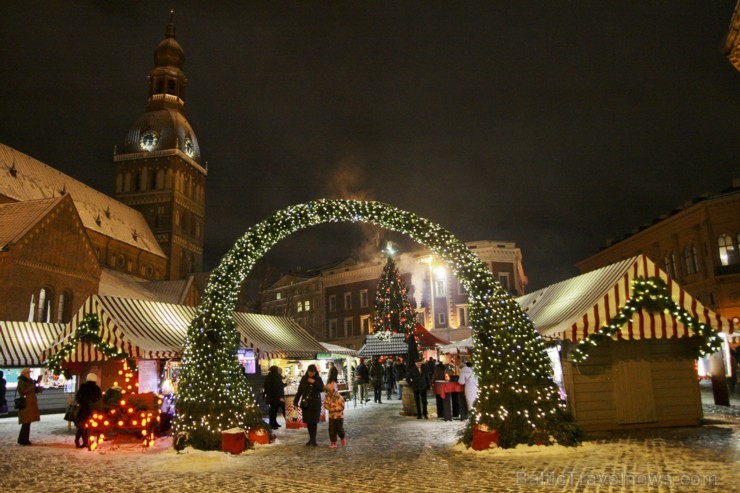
{"x":393,"y":313}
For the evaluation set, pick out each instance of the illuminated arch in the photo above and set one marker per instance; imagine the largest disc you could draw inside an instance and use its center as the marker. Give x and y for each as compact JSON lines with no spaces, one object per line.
{"x":513,"y":368}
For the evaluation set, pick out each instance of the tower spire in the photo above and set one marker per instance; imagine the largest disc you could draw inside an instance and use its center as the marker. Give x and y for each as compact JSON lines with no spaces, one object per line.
{"x":171,"y":26}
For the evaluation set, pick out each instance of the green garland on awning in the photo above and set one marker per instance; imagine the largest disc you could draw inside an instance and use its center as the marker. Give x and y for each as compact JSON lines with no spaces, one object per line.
{"x":87,"y":331}
{"x":652,"y":295}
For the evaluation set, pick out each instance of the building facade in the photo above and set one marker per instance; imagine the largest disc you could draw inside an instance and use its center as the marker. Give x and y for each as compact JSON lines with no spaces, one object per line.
{"x":152,"y":235}
{"x":697,"y":244}
{"x":341,"y":297}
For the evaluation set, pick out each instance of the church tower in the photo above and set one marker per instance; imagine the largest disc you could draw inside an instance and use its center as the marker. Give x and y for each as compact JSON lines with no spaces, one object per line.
{"x":158,"y":167}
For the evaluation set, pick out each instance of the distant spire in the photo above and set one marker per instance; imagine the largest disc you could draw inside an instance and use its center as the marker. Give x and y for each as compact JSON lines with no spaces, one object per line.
{"x":171,"y":25}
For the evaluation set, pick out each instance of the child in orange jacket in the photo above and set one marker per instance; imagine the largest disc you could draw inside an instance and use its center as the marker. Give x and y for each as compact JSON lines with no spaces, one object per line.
{"x":334,"y":403}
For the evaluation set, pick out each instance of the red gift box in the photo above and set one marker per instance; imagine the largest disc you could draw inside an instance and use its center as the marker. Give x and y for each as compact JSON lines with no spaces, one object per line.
{"x":259,"y":435}
{"x":233,"y":441}
{"x":482,"y":439}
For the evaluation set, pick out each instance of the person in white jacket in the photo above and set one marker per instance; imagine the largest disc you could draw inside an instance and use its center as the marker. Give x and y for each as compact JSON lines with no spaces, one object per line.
{"x":470,"y":381}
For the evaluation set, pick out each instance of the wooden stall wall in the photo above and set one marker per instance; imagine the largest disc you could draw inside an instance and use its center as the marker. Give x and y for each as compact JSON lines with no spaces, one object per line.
{"x":633,"y":384}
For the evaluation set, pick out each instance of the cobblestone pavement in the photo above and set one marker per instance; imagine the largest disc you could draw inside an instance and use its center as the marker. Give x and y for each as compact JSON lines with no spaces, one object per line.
{"x":385,"y":452}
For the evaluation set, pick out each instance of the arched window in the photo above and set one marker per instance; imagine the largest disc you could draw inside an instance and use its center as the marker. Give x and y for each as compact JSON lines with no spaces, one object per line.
{"x":159,"y":184}
{"x":726,"y":249}
{"x":63,"y":309}
{"x":669,"y":264}
{"x":127,"y":182}
{"x":43,"y":310}
{"x":143,"y":180}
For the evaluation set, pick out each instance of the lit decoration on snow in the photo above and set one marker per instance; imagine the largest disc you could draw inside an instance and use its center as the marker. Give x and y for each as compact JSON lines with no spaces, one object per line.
{"x":652,"y":295}
{"x":123,"y":411}
{"x":516,"y":394}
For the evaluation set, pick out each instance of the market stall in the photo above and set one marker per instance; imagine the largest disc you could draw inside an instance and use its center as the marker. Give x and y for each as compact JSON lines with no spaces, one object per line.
{"x":642,"y":332}
{"x":21,"y":346}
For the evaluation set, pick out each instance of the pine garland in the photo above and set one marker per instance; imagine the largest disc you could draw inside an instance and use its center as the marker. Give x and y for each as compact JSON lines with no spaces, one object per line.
{"x":517,"y":394}
{"x":652,"y":295}
{"x":87,"y":332}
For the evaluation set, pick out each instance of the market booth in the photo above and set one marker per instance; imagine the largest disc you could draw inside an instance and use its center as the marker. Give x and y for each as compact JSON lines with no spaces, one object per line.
{"x":644,"y":375}
{"x":21,"y":346}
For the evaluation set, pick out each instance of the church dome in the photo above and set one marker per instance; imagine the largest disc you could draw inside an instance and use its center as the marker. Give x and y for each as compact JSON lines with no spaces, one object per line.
{"x":161,"y":130}
{"x":169,"y":53}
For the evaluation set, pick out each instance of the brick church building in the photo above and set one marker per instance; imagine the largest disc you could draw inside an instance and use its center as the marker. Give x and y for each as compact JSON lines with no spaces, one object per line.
{"x":61,"y":240}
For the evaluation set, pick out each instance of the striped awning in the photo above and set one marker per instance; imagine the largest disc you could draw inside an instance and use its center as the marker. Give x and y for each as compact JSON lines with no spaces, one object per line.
{"x":578,"y":307}
{"x":393,"y":346}
{"x":22,"y":343}
{"x":276,"y":337}
{"x":141,"y":329}
{"x":334,"y":349}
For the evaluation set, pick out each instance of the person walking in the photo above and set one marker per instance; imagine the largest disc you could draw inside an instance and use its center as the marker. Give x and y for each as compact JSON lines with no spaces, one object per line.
{"x":30,"y":413}
{"x":399,"y":375}
{"x":362,"y":375}
{"x":309,"y":398}
{"x":418,"y":380}
{"x":468,"y":379}
{"x":376,"y":377}
{"x":274,"y":392}
{"x":334,"y":403}
{"x":87,"y":397}
{"x":390,"y":382}
{"x":333,"y":373}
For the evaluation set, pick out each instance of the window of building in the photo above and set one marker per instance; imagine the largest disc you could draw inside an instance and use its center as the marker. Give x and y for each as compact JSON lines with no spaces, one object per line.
{"x":462,"y":315}
{"x":503,"y":279}
{"x":43,"y":310}
{"x":363,"y":298}
{"x":442,"y":319}
{"x":332,"y":302}
{"x":668,"y":265}
{"x":348,"y":327}
{"x":307,"y":305}
{"x":439,"y":287}
{"x":688,"y":261}
{"x":63,"y":309}
{"x":461,"y":288}
{"x":365,"y":324}
{"x":726,"y":249}
{"x":299,"y":306}
{"x":333,"y":328}
{"x":347,"y":301}
{"x":278,"y":296}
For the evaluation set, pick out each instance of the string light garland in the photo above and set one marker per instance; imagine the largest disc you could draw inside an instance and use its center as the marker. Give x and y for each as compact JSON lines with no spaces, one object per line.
{"x":88,"y":331}
{"x":392,"y":313}
{"x":516,"y":394}
{"x":651,"y":294}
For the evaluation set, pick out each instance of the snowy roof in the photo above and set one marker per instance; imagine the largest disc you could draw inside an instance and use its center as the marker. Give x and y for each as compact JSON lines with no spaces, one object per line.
{"x":17,"y":218}
{"x":578,"y":307}
{"x":170,"y":291}
{"x":24,"y":178}
{"x":114,"y":283}
{"x":393,"y":346}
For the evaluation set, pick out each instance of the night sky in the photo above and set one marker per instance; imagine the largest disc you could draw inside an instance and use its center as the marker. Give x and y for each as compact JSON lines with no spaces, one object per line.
{"x":552,"y":124}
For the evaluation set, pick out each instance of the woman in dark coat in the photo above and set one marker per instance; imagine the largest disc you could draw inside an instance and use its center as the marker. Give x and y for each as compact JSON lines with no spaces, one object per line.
{"x":333,"y":374}
{"x":28,"y":388}
{"x":376,"y":377}
{"x":309,"y":396}
{"x":274,"y":392}
{"x":87,"y":397}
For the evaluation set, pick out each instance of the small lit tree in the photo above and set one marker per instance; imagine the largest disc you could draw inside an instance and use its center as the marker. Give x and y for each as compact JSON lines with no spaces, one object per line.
{"x":393,"y":312}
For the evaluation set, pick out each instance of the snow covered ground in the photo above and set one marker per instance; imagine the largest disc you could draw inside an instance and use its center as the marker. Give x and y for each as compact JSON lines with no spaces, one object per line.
{"x":385,"y":452}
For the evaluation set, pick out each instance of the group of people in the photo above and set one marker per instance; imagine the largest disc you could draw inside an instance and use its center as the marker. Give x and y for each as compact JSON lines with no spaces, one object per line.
{"x":421,"y":376}
{"x":377,"y":374}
